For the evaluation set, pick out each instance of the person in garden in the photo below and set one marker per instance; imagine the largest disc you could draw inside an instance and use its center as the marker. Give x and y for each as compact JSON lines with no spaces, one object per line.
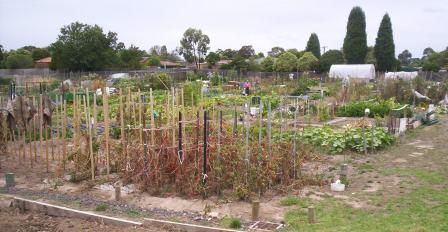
{"x":247,"y":87}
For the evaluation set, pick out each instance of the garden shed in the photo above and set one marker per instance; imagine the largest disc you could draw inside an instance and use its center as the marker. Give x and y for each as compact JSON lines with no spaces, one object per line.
{"x":352,"y":71}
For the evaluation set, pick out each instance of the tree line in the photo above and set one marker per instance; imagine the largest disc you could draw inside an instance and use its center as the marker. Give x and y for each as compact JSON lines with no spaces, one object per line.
{"x":83,"y":47}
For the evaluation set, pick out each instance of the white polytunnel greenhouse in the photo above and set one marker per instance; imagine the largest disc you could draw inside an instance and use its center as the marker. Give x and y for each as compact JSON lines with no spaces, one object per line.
{"x":352,"y":71}
{"x":401,"y":75}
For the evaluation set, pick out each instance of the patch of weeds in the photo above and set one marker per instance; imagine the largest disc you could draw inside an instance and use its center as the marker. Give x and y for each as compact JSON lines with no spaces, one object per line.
{"x":426,"y":176}
{"x":363,"y":168}
{"x":133,"y":212}
{"x":292,"y":200}
{"x":411,"y":134}
{"x":430,"y":177}
{"x":231,"y":222}
{"x":101,"y":207}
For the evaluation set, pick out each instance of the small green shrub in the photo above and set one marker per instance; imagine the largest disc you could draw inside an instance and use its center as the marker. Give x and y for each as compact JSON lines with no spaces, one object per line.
{"x":101,"y":207}
{"x":303,"y":84}
{"x":337,"y":141}
{"x":291,"y":200}
{"x":231,"y":222}
{"x":377,"y":108}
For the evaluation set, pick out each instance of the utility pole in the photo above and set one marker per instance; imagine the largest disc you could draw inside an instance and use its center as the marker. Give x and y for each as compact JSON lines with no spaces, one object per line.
{"x":324,"y":47}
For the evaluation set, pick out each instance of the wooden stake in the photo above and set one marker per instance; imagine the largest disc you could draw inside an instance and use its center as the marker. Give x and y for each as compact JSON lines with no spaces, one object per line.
{"x":152,"y":117}
{"x":140,"y":131}
{"x":122,"y":125}
{"x":34,"y":131}
{"x":64,"y":135}
{"x":255,"y":210}
{"x":58,"y":121}
{"x":269,"y":127}
{"x":89,"y":128}
{"x":106,"y":127}
{"x":46,"y":147}
{"x":311,"y":215}
{"x":173,"y":123}
{"x":31,"y":146}
{"x":94,"y":115}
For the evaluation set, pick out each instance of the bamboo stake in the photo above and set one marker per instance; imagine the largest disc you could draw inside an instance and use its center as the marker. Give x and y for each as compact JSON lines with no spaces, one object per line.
{"x":58,"y":124}
{"x":52,"y":140}
{"x":295,"y":140}
{"x":89,"y":128}
{"x":106,"y":127}
{"x":269,"y":127}
{"x":19,"y":138}
{"x":93,"y":129}
{"x":46,"y":147}
{"x":15,"y":150}
{"x":122,"y":124}
{"x":281,"y":119}
{"x":94,"y":115}
{"x":31,"y":147}
{"x":34,"y":131}
{"x":64,"y":127}
{"x":173,"y":118}
{"x":140,"y":117}
{"x":152,"y":117}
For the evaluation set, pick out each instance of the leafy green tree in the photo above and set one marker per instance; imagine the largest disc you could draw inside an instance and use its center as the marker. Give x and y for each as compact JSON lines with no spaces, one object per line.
{"x":296,"y":52}
{"x":246,"y":51}
{"x":260,"y":55}
{"x":154,"y":61}
{"x":355,"y":42}
{"x":212,"y":58}
{"x":194,"y":45}
{"x":227,"y":54}
{"x":276,"y":52}
{"x":286,"y":62}
{"x":384,"y":46}
{"x":130,"y":58}
{"x":84,"y":47}
{"x":163,"y":52}
{"x":436,"y":61}
{"x":253,"y":64}
{"x":313,"y":45}
{"x":370,"y":58}
{"x":155,"y":50}
{"x":28,"y":48}
{"x":329,"y":58}
{"x":2,"y":55}
{"x":427,"y":52}
{"x":18,"y":60}
{"x":267,"y":64}
{"x":307,"y":62}
{"x":239,"y":63}
{"x":39,"y":53}
{"x":405,"y":57}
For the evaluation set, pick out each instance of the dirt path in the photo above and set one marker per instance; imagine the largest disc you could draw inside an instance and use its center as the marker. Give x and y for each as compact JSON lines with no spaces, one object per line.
{"x":13,"y":221}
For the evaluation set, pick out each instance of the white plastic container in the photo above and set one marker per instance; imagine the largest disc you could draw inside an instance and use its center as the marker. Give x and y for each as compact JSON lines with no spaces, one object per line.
{"x":254,"y":110}
{"x":337,"y":186}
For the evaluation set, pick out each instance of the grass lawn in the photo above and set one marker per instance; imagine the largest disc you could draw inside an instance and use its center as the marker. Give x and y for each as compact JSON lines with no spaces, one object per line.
{"x":425,"y":209}
{"x":419,"y":204}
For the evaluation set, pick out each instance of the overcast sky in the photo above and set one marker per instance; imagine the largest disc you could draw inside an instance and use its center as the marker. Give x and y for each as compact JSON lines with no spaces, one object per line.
{"x":417,"y":24}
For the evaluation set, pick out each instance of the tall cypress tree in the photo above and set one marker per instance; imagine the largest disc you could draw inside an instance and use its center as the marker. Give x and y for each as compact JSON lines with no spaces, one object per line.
{"x":384,"y":46}
{"x":313,"y":45}
{"x":355,"y":42}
